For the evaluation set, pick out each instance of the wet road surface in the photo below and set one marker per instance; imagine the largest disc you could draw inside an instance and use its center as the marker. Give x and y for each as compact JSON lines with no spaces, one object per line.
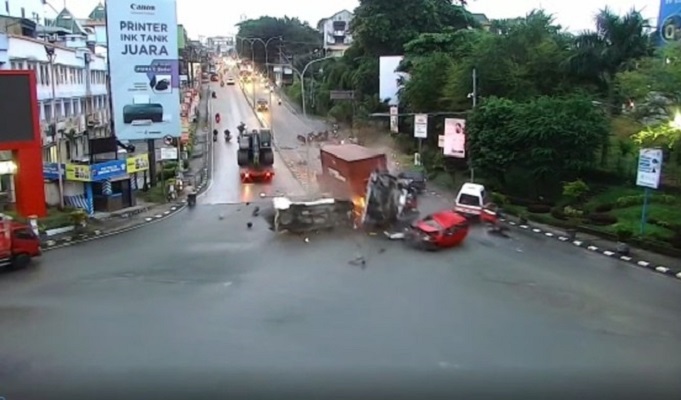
{"x":226,"y":186}
{"x":198,"y":300}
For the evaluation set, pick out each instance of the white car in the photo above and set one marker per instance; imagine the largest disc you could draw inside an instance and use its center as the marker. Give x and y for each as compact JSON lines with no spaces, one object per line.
{"x":230,"y":81}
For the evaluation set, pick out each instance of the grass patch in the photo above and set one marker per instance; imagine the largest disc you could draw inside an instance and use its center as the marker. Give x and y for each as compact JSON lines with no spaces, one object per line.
{"x":153,"y":195}
{"x":611,"y":194}
{"x":630,"y":218}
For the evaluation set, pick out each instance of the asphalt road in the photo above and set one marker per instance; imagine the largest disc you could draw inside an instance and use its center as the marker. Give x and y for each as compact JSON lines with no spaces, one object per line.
{"x":197,"y":304}
{"x":226,"y":186}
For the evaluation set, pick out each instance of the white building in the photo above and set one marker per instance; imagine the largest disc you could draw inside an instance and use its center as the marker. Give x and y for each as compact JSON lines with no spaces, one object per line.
{"x":67,"y":65}
{"x":336,"y":31}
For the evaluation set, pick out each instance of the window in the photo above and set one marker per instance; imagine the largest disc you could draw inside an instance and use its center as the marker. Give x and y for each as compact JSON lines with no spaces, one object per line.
{"x":83,"y":106}
{"x":44,"y":74}
{"x":58,"y":113}
{"x":50,"y":154}
{"x":469,"y":200}
{"x":48,"y":111}
{"x":24,"y":233}
{"x":62,"y":75}
{"x":67,"y":108}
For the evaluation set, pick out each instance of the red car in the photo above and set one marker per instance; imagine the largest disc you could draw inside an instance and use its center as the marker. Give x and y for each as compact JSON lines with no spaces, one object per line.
{"x":442,"y":229}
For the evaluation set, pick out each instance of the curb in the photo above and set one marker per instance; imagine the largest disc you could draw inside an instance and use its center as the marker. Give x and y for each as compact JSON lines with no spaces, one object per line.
{"x":98,"y":234}
{"x":603,"y":251}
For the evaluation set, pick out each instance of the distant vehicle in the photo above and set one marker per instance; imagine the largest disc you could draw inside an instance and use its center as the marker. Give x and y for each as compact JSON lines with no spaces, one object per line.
{"x":230,"y":81}
{"x":214,"y":77}
{"x":439,"y":230}
{"x":262,"y":105}
{"x":18,"y":244}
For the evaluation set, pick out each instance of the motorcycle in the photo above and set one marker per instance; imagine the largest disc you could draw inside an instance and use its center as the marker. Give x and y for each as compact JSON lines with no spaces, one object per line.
{"x":241,"y":128}
{"x":215,"y":135}
{"x":228,"y":136}
{"x":279,"y":101}
{"x":217,"y":118}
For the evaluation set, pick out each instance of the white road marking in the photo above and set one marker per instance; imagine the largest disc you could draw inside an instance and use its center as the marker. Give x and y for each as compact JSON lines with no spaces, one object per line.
{"x":643,"y":263}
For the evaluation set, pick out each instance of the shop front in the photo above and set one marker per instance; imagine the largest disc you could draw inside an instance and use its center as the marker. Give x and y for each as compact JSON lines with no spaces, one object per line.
{"x":103,"y":187}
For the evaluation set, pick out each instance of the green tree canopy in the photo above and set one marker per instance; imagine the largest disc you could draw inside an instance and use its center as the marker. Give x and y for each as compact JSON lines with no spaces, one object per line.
{"x":551,"y":139}
{"x":296,"y":37}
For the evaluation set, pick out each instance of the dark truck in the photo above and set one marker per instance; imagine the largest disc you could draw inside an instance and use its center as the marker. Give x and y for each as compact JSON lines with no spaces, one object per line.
{"x":255,"y":156}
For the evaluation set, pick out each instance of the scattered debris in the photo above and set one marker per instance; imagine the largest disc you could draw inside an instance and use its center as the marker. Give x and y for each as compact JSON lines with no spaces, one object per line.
{"x":256,"y":211}
{"x":249,"y":225}
{"x":381,"y":250}
{"x":262,"y":195}
{"x":623,"y":249}
{"x":395,"y":235}
{"x":307,"y":240}
{"x":359,"y":261}
{"x":221,"y":217}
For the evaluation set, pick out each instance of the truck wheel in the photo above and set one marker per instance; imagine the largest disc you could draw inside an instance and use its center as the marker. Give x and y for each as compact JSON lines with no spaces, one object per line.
{"x":20,"y":261}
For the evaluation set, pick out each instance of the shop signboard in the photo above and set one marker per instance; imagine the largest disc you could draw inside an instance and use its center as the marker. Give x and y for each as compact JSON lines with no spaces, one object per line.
{"x":77,"y":172}
{"x":107,"y":170}
{"x":51,"y":170}
{"x":144,"y":68}
{"x":138,"y":163}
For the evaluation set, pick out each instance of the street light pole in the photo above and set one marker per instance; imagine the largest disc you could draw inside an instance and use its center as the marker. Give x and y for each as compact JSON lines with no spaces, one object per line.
{"x":302,"y":92}
{"x":51,"y":56}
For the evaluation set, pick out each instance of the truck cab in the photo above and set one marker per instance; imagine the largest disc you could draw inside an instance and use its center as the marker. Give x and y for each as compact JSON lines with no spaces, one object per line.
{"x":18,"y":244}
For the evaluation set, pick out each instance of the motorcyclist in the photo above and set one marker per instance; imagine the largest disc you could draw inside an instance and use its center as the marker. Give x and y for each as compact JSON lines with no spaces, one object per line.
{"x":217,"y":118}
{"x":215,"y":134}
{"x":228,"y":135}
{"x":241,"y":127}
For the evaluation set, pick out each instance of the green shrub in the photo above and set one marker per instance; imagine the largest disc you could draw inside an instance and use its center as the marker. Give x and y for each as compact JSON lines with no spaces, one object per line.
{"x":623,"y":233}
{"x":572,"y":212}
{"x":631,"y":201}
{"x":499,"y":199}
{"x":575,"y":190}
{"x":539,"y":209}
{"x":558,"y":213}
{"x":604,"y":208}
{"x":602,"y":219}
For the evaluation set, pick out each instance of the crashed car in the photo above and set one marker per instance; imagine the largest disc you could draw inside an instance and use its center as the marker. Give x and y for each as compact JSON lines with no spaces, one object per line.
{"x":305,"y":216}
{"x":439,"y":230}
{"x":415,"y":180}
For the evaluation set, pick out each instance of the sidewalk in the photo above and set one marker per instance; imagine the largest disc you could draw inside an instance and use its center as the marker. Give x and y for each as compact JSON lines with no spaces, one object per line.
{"x":657,"y":262}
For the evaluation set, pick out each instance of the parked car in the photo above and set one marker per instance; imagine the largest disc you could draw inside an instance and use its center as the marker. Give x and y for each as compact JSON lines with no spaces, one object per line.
{"x":439,"y":230}
{"x":415,"y":180}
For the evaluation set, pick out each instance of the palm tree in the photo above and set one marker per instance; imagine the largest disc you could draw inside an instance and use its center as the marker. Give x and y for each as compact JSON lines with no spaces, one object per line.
{"x":612,"y":47}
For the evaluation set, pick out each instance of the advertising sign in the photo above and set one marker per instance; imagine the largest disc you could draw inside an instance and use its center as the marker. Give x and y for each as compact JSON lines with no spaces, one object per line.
{"x":421,"y":126}
{"x":649,"y":168}
{"x":455,"y":138}
{"x":144,"y":68}
{"x":168,"y":153}
{"x":670,"y":20}
{"x":137,"y":163}
{"x":107,"y":170}
{"x":389,"y":80}
{"x":75,"y":172}
{"x":394,"y":119}
{"x":51,"y":171}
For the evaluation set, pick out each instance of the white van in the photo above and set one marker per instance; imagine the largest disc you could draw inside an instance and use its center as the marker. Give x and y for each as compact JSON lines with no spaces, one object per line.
{"x":471,"y":199}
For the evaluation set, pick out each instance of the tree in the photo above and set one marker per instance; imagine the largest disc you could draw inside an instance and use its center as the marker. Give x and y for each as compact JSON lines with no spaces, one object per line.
{"x":296,"y":38}
{"x":612,"y":47}
{"x":549,"y":139}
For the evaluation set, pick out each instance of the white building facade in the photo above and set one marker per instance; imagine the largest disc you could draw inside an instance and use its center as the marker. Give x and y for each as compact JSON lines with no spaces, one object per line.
{"x":79,"y":107}
{"x":336,"y":31}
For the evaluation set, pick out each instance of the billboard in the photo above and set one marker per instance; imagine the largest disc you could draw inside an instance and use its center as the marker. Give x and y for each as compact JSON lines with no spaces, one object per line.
{"x":455,"y":138}
{"x":144,"y":68}
{"x":389,"y":80}
{"x":669,"y":21}
{"x":18,"y":111}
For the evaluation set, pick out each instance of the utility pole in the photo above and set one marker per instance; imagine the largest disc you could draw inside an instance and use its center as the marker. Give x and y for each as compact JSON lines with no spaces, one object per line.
{"x":474,"y":94}
{"x":51,"y":56}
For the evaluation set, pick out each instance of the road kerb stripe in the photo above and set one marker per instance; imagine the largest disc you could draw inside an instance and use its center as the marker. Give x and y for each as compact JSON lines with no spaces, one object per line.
{"x":608,"y":253}
{"x":625,"y":258}
{"x":592,"y":248}
{"x":643,"y":263}
{"x":549,"y":234}
{"x":662,"y":269}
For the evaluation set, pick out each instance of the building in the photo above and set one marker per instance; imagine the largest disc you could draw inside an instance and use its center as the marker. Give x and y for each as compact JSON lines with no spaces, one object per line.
{"x":72,"y":89}
{"x":220,"y":44}
{"x":336,"y":31}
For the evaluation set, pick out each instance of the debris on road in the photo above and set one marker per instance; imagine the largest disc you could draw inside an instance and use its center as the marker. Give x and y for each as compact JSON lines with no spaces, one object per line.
{"x":256,"y":211}
{"x":359,"y":260}
{"x":249,"y":225}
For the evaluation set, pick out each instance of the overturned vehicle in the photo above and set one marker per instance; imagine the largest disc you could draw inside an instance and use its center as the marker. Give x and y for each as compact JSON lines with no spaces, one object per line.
{"x":387,"y":205}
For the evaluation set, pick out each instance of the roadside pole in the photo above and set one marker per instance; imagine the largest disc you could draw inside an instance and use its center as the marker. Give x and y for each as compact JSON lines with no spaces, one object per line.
{"x":420,"y":133}
{"x":474,"y":97}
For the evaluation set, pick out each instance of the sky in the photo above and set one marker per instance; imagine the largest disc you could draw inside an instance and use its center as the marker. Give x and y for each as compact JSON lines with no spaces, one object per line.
{"x":214,"y":17}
